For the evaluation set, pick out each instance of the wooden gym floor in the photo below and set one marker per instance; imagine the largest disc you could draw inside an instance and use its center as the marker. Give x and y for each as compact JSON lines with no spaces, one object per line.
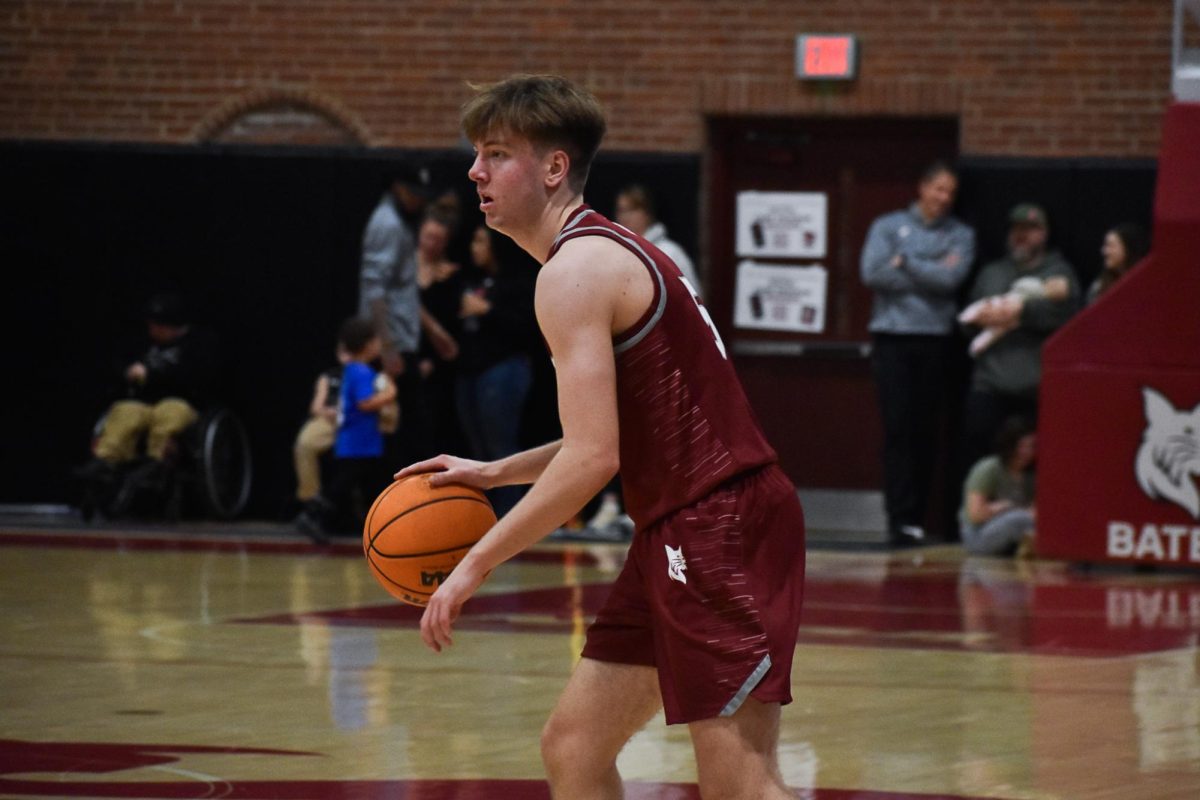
{"x":188,"y":665}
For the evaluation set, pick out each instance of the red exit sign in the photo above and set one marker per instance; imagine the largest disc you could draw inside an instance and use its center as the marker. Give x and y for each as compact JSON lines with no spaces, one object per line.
{"x":826,"y":56}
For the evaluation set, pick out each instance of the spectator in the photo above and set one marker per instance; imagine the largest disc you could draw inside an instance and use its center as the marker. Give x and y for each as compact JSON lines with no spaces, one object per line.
{"x":1124,"y":246}
{"x":389,"y":296}
{"x":997,"y":515}
{"x":434,"y":426}
{"x":635,"y":210}
{"x":494,"y":369}
{"x":914,"y":260}
{"x":1006,"y":375}
{"x":388,"y":293}
{"x":317,"y":435}
{"x":165,"y":388}
{"x":358,"y":444}
{"x":1027,"y":288}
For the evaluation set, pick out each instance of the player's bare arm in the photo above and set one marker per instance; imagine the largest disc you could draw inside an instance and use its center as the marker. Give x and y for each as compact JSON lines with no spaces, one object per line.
{"x":582,"y":295}
{"x":518,"y":469}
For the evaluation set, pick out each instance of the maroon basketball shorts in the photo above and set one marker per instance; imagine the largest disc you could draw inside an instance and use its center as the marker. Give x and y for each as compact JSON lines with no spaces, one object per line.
{"x":711,"y":596}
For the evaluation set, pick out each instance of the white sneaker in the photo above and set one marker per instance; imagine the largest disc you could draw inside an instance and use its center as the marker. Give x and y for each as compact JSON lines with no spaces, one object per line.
{"x":606,"y":515}
{"x":623,"y":527}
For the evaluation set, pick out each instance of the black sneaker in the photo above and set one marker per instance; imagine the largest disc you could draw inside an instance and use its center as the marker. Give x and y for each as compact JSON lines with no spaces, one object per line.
{"x":96,"y":471}
{"x":311,"y":527}
{"x":311,"y":520}
{"x":150,"y":476}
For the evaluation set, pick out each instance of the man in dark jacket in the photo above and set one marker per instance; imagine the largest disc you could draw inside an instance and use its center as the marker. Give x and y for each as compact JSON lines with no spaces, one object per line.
{"x":165,"y":390}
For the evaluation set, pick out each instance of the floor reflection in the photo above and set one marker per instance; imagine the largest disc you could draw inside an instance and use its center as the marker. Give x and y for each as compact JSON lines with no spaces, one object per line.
{"x":971,"y":604}
{"x":922,"y":673}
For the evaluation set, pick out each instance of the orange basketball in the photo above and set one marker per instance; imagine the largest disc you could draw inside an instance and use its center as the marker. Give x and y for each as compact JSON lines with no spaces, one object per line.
{"x":415,"y":534}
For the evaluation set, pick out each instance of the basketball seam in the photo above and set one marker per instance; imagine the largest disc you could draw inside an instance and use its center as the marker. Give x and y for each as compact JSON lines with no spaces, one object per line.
{"x":382,"y":554}
{"x":378,"y":500}
{"x":472,"y":498}
{"x":380,"y":573}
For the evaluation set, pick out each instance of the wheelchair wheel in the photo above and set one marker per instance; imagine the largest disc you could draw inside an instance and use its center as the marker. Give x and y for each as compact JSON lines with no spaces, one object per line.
{"x":225,"y":464}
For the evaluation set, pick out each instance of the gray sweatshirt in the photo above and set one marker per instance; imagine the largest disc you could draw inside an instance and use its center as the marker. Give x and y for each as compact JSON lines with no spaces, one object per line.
{"x":916,"y":297}
{"x":1012,"y":365}
{"x":389,"y":272}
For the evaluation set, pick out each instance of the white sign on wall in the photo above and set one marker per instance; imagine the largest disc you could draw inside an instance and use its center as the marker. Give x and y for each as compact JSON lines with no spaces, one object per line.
{"x":782,"y":224}
{"x":780,"y":297}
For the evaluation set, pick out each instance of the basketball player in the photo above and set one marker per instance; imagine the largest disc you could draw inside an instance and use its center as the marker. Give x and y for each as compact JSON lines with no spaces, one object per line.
{"x":702,"y":621}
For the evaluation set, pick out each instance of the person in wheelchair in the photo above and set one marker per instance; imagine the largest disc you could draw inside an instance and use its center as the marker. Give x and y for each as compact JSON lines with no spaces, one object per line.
{"x":165,"y":389}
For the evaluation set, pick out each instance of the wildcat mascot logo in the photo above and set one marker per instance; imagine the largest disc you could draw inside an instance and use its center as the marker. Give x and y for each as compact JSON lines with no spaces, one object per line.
{"x":1169,"y":457}
{"x":676,"y":564}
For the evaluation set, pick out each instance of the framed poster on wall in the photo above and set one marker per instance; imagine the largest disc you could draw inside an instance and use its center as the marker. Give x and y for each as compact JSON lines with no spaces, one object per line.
{"x":782,"y":224}
{"x":780,"y":297}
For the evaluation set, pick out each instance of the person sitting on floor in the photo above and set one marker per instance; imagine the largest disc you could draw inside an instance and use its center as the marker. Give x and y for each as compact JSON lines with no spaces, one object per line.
{"x":997,"y":515}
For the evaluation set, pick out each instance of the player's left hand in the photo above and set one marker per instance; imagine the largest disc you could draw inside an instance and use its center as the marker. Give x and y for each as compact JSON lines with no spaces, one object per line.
{"x":437,"y":623}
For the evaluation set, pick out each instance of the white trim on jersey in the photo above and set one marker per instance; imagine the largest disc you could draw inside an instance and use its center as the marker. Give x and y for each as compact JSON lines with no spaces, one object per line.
{"x":575,"y":221}
{"x":658,"y":276}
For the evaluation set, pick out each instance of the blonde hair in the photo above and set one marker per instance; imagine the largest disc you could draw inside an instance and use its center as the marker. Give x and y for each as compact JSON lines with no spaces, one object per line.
{"x":548,"y":110}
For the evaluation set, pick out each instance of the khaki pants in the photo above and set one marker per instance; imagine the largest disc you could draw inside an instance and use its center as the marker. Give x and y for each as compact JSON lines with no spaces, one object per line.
{"x":316,"y":436}
{"x":129,"y":420}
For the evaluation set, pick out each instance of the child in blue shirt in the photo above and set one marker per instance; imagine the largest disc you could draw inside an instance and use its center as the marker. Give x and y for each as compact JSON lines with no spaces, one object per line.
{"x":358,"y":446}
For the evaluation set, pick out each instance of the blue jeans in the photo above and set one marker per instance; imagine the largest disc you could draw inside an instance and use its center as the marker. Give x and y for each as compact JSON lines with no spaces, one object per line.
{"x":1000,"y":535}
{"x":489,"y":408}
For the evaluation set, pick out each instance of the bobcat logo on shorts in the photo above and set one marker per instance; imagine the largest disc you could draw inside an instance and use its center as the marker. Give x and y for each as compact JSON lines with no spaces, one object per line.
{"x":676,"y":564}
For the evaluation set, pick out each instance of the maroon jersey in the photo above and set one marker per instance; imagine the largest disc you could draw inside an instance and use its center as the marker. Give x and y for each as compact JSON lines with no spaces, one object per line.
{"x":685,"y":423}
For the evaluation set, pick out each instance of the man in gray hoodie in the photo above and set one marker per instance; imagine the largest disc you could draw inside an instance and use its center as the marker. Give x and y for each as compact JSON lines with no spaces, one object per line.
{"x":915,"y":260}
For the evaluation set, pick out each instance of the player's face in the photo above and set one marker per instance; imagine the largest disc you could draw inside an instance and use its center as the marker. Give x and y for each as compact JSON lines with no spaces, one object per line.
{"x":508,"y":174}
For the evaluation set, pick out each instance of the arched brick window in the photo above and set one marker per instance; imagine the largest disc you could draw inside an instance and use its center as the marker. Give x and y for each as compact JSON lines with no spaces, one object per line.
{"x":275,"y":116}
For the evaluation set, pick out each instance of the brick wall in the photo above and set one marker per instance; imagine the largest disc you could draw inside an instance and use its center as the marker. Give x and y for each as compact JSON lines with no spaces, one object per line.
{"x":1026,"y":77}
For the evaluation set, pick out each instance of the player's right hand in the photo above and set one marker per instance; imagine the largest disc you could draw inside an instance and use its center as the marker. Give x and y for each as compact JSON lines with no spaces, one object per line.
{"x":446,"y":469}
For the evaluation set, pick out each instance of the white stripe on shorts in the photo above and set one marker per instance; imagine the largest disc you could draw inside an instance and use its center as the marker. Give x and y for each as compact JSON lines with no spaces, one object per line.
{"x":736,"y":702}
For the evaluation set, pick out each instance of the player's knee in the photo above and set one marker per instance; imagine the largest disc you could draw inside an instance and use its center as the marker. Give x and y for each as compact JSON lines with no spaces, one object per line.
{"x":565,"y":746}
{"x":554,"y":742}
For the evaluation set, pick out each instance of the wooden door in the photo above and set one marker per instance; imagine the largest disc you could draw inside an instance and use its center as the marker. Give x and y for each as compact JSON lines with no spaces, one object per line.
{"x":813,"y":392}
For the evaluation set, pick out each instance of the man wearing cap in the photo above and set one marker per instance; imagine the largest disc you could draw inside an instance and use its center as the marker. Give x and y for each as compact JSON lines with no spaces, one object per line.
{"x":388,"y":293}
{"x":165,"y":389}
{"x":1007,"y":373}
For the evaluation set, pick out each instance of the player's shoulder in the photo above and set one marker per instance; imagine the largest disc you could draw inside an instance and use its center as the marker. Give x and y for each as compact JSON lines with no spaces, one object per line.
{"x":584,"y":279}
{"x":588,"y":261}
